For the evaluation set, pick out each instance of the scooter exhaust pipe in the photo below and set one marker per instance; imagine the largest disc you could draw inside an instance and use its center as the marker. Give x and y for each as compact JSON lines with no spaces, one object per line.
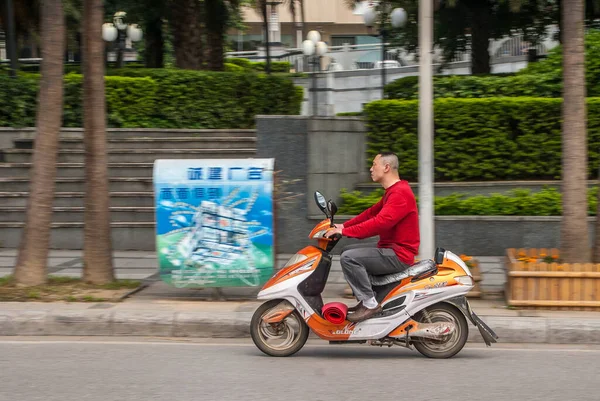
{"x":434,"y":331}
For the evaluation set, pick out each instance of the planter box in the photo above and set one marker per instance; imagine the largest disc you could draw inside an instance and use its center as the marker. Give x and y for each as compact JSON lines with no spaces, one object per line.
{"x":473,"y":265}
{"x":534,"y":281}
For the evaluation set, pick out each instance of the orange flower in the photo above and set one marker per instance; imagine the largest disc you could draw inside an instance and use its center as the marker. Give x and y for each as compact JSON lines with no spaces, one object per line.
{"x":532,"y":260}
{"x":543,"y":255}
{"x":555,"y":257}
{"x":465,"y":258}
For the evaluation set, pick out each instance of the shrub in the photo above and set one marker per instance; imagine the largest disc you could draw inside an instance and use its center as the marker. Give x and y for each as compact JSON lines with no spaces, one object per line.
{"x":467,"y":86}
{"x":481,"y":139}
{"x":162,"y":98}
{"x":519,"y":202}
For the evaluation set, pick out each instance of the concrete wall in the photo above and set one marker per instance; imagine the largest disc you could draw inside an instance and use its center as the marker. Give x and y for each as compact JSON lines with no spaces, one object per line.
{"x":348,"y":91}
{"x":324,"y":154}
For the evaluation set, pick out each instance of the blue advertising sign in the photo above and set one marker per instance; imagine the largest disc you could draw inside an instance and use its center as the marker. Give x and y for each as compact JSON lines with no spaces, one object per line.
{"x":214,"y":222}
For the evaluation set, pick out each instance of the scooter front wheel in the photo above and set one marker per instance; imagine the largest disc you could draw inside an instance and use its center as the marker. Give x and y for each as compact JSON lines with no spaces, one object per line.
{"x":278,"y":339}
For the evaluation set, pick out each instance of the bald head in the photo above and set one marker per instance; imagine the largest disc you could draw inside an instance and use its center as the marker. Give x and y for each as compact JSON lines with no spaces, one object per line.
{"x":391,"y":159}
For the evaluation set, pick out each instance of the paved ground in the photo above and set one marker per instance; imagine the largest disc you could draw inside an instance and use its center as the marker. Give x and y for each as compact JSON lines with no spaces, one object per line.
{"x":162,"y":310}
{"x":168,"y":369}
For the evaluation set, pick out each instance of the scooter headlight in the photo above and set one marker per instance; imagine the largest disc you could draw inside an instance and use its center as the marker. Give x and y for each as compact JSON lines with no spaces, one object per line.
{"x":297,"y":258}
{"x":319,"y":234}
{"x":464,"y":280}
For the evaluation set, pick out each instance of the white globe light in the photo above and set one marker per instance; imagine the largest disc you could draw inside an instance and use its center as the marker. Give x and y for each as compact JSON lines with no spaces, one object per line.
{"x":109,"y":32}
{"x":314,"y":36}
{"x":321,"y":48}
{"x":134,"y":33}
{"x":308,"y":47}
{"x":399,"y":17}
{"x":369,"y":16}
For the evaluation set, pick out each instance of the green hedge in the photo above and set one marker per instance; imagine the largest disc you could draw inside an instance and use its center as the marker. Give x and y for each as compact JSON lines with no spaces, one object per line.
{"x":260,"y":66}
{"x":519,"y":202}
{"x":468,"y":86}
{"x":162,"y":98}
{"x":481,"y":139}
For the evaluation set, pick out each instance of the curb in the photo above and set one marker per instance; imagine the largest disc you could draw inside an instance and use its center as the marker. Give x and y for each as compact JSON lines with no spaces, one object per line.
{"x":543,"y":330}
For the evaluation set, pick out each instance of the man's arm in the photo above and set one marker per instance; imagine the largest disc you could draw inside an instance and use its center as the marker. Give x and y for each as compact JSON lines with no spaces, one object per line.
{"x":366,"y":215}
{"x":394,"y":210}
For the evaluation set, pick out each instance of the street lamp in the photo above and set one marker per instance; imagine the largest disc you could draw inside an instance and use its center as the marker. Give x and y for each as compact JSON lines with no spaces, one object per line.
{"x":314,"y":48}
{"x":120,"y":30}
{"x":273,"y":6}
{"x":398,"y":19}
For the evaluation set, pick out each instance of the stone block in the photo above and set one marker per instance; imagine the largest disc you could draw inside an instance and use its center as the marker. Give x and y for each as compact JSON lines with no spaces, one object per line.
{"x":212,"y":325}
{"x":573,"y":331}
{"x":23,"y":323}
{"x":79,"y":323}
{"x":143,"y":323}
{"x":516,"y":330}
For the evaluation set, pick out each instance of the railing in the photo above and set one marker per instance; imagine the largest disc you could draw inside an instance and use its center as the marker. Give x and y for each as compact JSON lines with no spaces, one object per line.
{"x":356,"y":57}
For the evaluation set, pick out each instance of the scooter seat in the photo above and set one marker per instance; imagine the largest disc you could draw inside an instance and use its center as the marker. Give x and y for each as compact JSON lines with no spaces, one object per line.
{"x":418,"y":271}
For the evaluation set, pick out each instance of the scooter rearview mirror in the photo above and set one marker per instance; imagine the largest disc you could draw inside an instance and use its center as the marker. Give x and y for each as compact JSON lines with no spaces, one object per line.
{"x":320,"y":199}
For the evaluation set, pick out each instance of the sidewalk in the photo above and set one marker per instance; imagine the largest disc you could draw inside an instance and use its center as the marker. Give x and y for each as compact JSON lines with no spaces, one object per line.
{"x":164,"y":311}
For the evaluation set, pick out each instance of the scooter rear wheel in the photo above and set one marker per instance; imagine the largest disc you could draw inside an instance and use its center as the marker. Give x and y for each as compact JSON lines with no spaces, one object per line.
{"x":281,"y":339}
{"x":449,"y":345}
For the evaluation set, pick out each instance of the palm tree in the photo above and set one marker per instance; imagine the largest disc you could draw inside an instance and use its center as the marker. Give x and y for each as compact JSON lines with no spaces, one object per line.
{"x":186,"y":18}
{"x":217,"y":16}
{"x":33,"y":251}
{"x":97,"y":250}
{"x":574,"y":227}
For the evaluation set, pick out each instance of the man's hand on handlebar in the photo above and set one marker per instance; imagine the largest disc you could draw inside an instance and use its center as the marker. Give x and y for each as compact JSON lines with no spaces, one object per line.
{"x":333,"y":231}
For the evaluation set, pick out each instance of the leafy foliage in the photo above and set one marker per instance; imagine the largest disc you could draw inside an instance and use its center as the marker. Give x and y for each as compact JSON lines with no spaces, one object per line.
{"x":481,"y":139}
{"x":469,"y":86}
{"x":161,"y":98}
{"x":519,"y":202}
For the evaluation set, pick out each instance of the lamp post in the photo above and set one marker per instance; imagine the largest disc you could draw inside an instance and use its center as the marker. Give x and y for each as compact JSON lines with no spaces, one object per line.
{"x":120,"y":30}
{"x":270,"y":3}
{"x":426,"y":192}
{"x":398,"y":19}
{"x":314,"y":48}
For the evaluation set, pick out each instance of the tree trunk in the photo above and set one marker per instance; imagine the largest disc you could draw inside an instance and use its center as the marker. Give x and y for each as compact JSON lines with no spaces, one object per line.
{"x":480,"y":38}
{"x":303,"y":19}
{"x":155,"y":42}
{"x":216,"y":21}
{"x":187,"y":34}
{"x":97,"y":250}
{"x":294,"y":26}
{"x":575,"y":245}
{"x":33,"y":251}
{"x":266,"y":28}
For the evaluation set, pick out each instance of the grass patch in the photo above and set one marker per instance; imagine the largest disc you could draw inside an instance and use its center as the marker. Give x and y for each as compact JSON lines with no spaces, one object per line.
{"x":68,"y":289}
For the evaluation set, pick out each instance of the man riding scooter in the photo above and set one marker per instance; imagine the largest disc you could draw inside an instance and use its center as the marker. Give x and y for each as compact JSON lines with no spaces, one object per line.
{"x":395,"y":219}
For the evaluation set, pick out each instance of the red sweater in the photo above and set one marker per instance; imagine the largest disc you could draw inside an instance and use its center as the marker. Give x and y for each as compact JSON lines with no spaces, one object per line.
{"x":394,"y":218}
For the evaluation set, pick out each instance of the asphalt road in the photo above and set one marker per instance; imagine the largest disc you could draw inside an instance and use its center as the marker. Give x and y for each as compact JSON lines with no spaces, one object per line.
{"x":98,"y":369}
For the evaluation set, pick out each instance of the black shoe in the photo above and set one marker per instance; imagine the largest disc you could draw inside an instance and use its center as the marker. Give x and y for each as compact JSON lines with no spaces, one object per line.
{"x":363,"y":313}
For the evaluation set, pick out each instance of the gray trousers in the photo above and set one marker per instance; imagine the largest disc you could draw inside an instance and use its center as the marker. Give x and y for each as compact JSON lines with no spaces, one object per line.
{"x":361,"y":260}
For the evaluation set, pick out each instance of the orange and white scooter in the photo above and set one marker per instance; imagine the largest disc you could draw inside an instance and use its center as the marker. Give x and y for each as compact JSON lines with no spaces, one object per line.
{"x":424,"y":306}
